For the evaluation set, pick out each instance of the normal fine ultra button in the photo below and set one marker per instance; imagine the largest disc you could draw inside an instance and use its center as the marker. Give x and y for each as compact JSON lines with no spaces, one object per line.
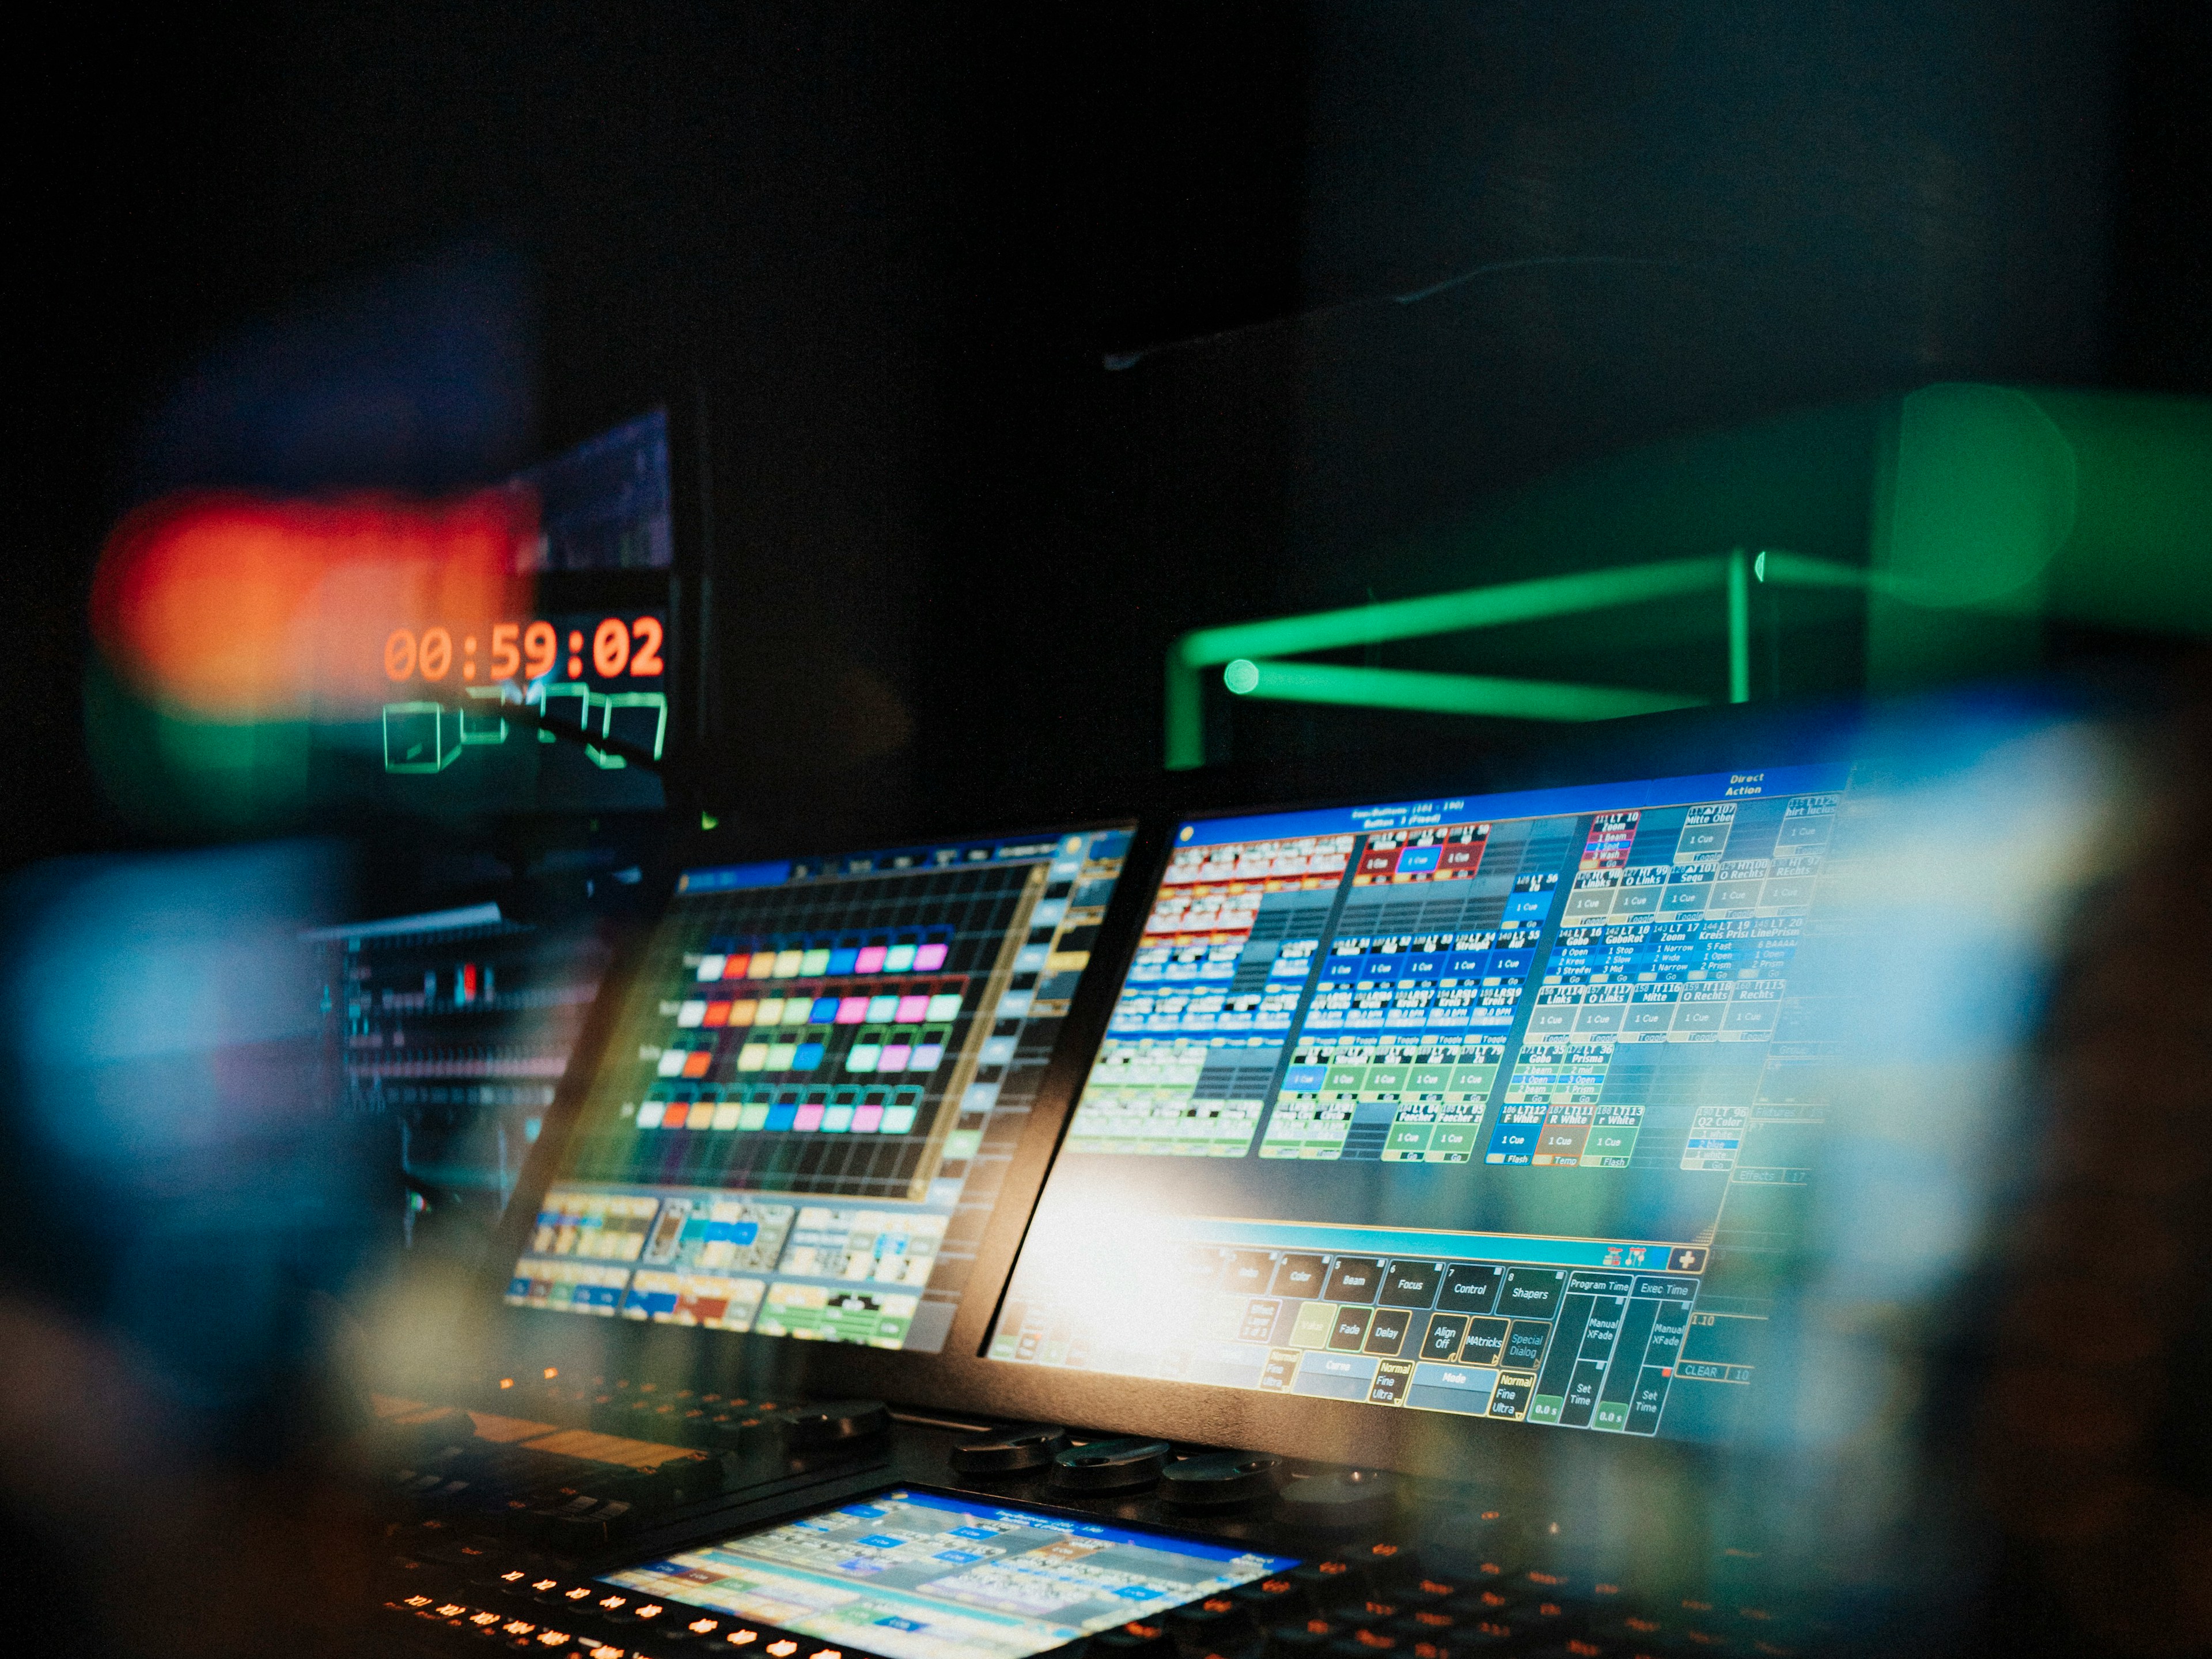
{"x":1110,"y":1465}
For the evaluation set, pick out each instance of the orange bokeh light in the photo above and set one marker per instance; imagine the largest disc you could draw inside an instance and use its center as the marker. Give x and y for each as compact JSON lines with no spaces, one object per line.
{"x":231,"y":607}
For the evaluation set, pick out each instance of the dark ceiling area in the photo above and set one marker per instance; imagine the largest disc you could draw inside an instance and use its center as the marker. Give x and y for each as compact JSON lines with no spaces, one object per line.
{"x":1031,"y":340}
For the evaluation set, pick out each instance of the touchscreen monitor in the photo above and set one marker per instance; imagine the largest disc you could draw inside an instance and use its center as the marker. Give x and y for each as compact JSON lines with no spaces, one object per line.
{"x":1499,"y":1107}
{"x":817,"y":1078}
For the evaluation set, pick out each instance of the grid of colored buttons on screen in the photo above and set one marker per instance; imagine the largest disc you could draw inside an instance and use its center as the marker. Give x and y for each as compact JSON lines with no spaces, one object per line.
{"x":1200,"y":920}
{"x":1436,"y":1095}
{"x":809,"y":1111}
{"x":890,"y":1037}
{"x":806,"y":961}
{"x":1579,"y":1348}
{"x":1691,"y":946}
{"x":1411,"y":986}
{"x":739,"y":1020}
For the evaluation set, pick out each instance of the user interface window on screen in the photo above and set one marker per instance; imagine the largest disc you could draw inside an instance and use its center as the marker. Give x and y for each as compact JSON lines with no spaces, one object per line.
{"x":803,"y":1120}
{"x":1499,"y":1106}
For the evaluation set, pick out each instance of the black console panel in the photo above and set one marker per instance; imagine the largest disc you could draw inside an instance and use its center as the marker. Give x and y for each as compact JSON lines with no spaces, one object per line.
{"x":538,"y":1542}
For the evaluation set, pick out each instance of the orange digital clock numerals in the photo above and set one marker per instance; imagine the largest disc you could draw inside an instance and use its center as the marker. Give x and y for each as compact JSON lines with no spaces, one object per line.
{"x":619,"y":649}
{"x":610,"y":648}
{"x":435,"y":656}
{"x":540,"y":646}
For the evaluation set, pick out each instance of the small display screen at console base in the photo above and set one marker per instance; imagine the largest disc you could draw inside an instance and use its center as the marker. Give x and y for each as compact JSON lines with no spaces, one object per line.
{"x":920,"y":1575}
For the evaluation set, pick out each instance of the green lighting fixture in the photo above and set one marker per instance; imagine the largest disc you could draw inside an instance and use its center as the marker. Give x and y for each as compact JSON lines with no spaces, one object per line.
{"x":1444,"y":693}
{"x":1249,"y":654}
{"x":1988,"y":510}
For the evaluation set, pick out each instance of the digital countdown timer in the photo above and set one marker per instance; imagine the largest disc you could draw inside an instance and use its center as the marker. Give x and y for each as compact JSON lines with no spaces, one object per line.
{"x":618,"y":647}
{"x":453,"y":685}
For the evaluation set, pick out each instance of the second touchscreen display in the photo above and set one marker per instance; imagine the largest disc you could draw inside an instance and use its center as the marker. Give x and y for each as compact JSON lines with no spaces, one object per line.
{"x":1498,"y":1106}
{"x":800,"y":1126}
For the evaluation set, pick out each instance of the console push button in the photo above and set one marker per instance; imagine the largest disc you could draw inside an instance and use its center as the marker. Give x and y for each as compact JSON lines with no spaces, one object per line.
{"x":1136,"y":1640}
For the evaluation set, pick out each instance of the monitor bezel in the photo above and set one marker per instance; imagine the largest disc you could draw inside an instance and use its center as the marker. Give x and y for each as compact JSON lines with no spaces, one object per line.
{"x":754,"y":1366}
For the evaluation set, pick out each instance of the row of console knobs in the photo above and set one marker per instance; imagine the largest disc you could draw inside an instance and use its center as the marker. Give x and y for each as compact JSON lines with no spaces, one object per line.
{"x":1122,"y":1466}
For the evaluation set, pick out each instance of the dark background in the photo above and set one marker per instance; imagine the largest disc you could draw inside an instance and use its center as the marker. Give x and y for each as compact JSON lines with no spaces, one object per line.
{"x":896,"y":248}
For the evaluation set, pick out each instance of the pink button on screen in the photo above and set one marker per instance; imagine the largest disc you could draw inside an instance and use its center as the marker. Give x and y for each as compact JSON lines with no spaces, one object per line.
{"x":911,"y":1010}
{"x":929,"y":958}
{"x":866,"y":1120}
{"x":871,"y":961}
{"x":810,"y":1117}
{"x":893,"y":1058}
{"x":851,"y":1011}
